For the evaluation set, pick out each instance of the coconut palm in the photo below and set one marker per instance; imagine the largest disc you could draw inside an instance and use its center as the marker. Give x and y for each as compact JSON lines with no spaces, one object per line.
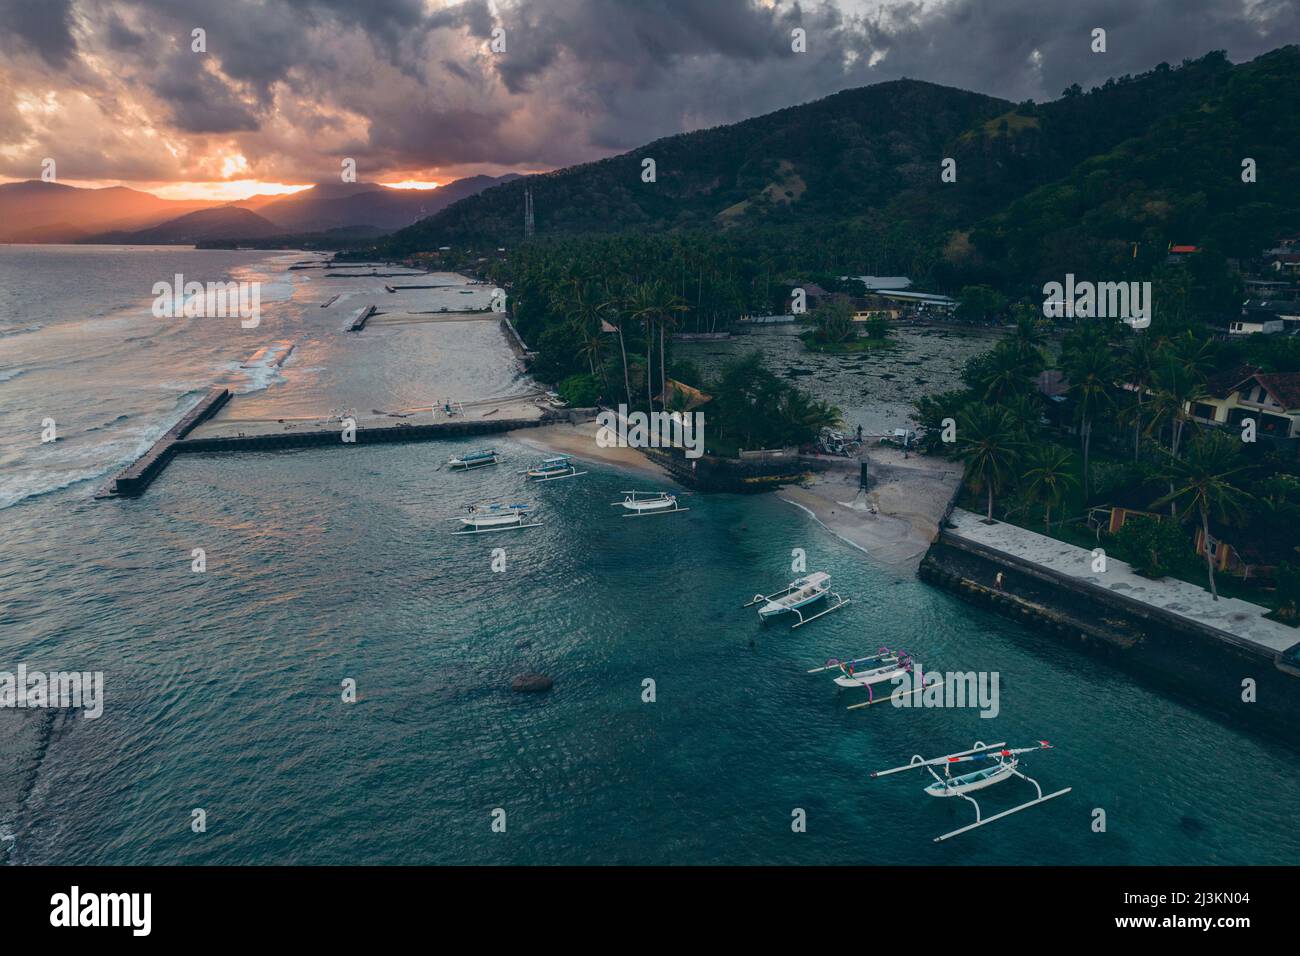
{"x":989,"y":442}
{"x":584,"y":317}
{"x":1194,"y":356}
{"x":1138,"y":367}
{"x":1026,"y":410}
{"x":1049,"y":478}
{"x":1203,"y":482}
{"x":614,"y":311}
{"x":1028,"y":337}
{"x":1176,"y":393}
{"x":669,"y":306}
{"x":1091,"y":372}
{"x":644,"y":306}
{"x":1008,"y":372}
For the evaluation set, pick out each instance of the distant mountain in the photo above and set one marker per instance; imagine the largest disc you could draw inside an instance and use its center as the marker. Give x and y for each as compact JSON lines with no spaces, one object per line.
{"x":224,"y":222}
{"x":1094,"y":178}
{"x":36,"y":211}
{"x":332,"y":206}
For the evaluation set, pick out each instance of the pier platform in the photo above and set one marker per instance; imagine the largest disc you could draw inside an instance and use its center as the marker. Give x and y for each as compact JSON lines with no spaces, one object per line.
{"x":135,"y":478}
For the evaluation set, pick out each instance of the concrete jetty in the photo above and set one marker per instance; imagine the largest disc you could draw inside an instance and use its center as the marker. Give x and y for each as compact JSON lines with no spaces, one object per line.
{"x":134,"y":480}
{"x":136,"y":477}
{"x":363,"y":316}
{"x":403,"y":432}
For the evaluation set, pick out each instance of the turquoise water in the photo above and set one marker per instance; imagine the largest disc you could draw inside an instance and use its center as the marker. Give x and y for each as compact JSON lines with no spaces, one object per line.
{"x":223,"y":689}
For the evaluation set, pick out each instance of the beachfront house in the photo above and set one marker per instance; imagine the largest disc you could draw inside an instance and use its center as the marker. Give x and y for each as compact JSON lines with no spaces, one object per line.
{"x":814,"y":295}
{"x":1271,"y":314}
{"x":1256,"y":323}
{"x":882,"y":283}
{"x":1272,"y":399}
{"x":920,"y":304}
{"x":864,"y":310}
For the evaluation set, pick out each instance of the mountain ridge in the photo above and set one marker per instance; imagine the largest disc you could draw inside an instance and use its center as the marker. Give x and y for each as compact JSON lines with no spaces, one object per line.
{"x":37,"y":211}
{"x":871,"y":157}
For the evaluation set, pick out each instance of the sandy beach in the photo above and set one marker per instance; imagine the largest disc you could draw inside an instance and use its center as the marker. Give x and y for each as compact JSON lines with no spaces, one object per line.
{"x":911,"y":495}
{"x":580,"y":441}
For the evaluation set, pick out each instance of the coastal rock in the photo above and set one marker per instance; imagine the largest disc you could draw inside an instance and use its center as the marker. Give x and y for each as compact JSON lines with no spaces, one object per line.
{"x":531,"y":683}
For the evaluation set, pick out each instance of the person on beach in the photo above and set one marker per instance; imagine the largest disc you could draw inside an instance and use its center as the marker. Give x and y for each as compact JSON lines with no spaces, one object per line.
{"x":997,"y":582}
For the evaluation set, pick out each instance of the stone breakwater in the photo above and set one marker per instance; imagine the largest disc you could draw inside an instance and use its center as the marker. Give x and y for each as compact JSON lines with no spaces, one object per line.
{"x":1186,"y":660}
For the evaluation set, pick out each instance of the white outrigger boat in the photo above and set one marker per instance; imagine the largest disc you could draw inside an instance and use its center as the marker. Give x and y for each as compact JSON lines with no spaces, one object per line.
{"x":1004,"y":767}
{"x":552,"y":469}
{"x":861,"y":672}
{"x":473,"y":459}
{"x":798,"y":594}
{"x":482,"y":519}
{"x":649,"y":503}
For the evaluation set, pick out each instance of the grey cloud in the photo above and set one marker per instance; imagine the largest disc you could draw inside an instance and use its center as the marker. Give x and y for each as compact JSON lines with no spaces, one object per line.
{"x":200,"y":101}
{"x":42,"y":26}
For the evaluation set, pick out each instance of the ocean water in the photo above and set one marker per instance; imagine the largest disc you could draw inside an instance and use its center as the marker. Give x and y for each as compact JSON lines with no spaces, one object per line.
{"x":223,"y":689}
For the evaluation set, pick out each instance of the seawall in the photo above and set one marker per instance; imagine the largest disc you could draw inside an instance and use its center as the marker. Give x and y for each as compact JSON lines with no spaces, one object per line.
{"x":1197,"y":664}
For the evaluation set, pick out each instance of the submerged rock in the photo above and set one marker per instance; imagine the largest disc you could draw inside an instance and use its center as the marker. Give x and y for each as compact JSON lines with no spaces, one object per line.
{"x":531,"y":683}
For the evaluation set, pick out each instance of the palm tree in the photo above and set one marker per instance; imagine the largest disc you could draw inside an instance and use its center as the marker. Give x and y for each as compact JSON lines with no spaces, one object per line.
{"x":1026,"y":410}
{"x":669,"y":306}
{"x":1049,"y":478}
{"x":614,"y":307}
{"x":1138,"y":367}
{"x":988,"y":441}
{"x":1203,"y":482}
{"x":584,"y":316}
{"x":1195,"y":356}
{"x":802,"y":417}
{"x":1007,"y":372}
{"x":1091,"y":372}
{"x":1176,"y":393}
{"x":644,"y":306}
{"x":1028,"y":337}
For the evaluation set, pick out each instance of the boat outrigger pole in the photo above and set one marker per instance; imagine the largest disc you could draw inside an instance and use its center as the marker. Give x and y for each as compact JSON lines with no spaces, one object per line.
{"x":1005,"y":767}
{"x":796,"y":595}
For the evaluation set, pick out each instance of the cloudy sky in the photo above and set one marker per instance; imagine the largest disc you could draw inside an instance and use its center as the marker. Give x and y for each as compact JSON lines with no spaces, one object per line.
{"x":412,"y":90}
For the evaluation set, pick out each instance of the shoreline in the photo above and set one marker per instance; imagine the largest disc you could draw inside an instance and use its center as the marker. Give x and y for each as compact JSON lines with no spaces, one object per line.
{"x":911,"y":496}
{"x":579,"y":440}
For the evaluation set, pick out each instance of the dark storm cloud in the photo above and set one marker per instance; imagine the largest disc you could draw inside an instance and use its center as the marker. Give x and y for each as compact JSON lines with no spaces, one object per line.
{"x":1022,"y":49}
{"x":200,"y":101}
{"x":638,"y":41}
{"x":40,"y":26}
{"x":121,"y":36}
{"x":409,"y":85}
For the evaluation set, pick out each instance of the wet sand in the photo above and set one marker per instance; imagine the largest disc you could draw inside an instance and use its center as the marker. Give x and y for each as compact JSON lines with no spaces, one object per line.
{"x":910,"y":494}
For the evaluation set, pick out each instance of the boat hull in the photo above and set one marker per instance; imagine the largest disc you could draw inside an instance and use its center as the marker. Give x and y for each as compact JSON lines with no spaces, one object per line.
{"x":774,"y":608}
{"x":867,"y":678}
{"x":970,"y":782}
